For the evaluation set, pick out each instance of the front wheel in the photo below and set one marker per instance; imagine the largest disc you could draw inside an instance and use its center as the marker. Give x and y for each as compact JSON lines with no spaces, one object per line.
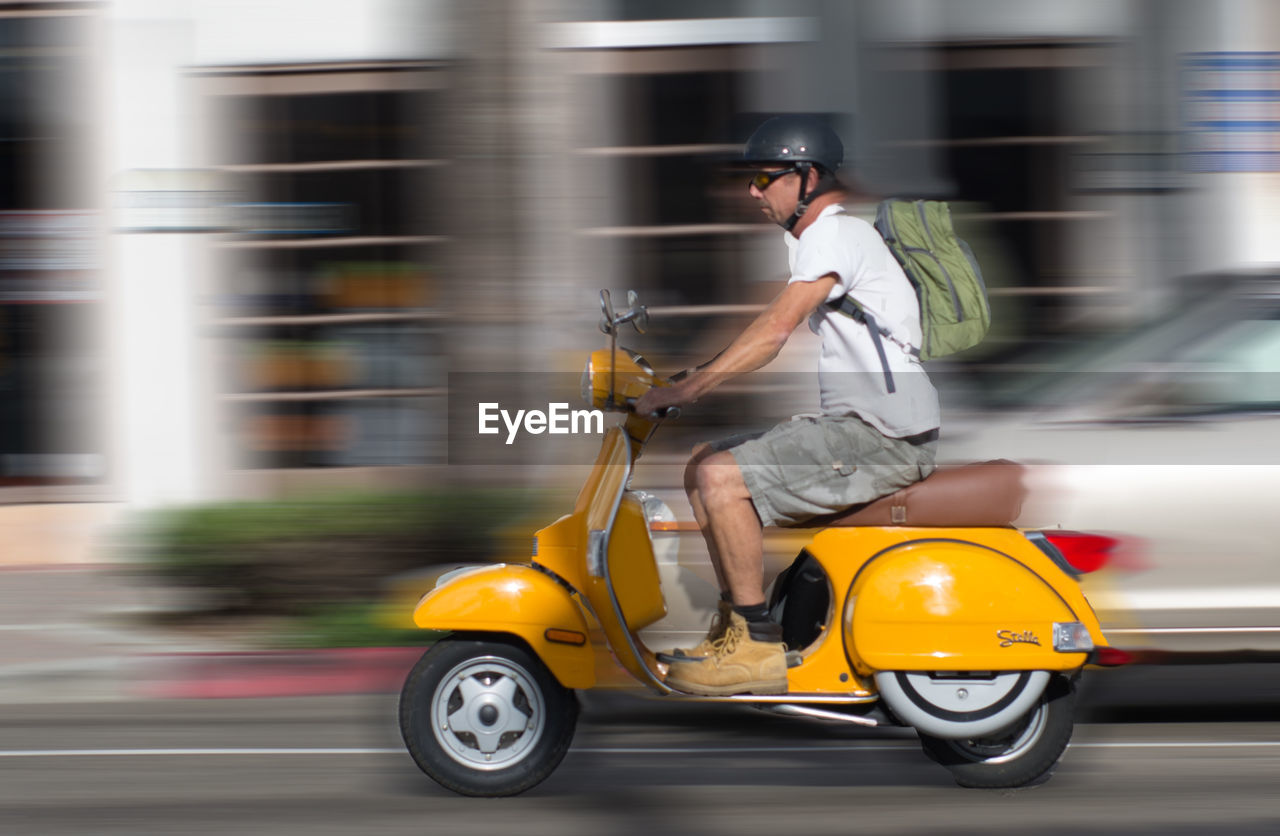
{"x":485,"y":718}
{"x":1017,"y":755}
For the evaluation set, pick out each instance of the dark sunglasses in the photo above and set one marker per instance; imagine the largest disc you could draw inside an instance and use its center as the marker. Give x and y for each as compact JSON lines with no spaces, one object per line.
{"x":764,"y":179}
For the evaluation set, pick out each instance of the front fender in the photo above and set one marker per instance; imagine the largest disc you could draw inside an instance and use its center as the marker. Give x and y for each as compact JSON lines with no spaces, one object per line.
{"x":948,"y":605}
{"x":519,"y":601}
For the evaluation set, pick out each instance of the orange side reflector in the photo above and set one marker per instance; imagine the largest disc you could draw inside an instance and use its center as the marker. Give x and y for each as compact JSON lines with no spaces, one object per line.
{"x":565,"y":636}
{"x":673,"y":525}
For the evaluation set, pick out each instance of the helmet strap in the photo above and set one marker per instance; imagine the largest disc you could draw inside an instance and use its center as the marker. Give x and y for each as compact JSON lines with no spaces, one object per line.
{"x":802,"y":204}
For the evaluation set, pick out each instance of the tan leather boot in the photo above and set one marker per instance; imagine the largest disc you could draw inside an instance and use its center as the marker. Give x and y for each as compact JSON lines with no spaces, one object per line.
{"x":704,"y":648}
{"x":738,"y":664}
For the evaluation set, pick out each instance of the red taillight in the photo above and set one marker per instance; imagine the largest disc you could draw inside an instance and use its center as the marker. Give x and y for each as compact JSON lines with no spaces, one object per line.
{"x":1085,"y":552}
{"x":1110,"y":657}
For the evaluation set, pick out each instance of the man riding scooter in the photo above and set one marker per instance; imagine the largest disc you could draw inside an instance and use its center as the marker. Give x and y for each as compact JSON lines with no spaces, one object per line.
{"x":879,"y":424}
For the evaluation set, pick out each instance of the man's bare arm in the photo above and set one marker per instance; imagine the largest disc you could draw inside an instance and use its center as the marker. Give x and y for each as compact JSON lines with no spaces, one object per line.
{"x":755,"y":347}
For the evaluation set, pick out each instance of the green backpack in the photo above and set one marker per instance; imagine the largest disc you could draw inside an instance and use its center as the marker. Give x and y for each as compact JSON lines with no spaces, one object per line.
{"x":954,"y":313}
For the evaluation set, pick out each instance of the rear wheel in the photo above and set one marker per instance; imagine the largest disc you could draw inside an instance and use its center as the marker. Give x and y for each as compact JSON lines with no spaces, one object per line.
{"x":1014,"y":756}
{"x":485,"y":718}
{"x":957,"y":705}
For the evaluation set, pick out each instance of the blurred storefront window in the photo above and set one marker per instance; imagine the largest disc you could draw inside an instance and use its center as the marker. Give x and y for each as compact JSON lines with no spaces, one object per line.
{"x":677,"y":225}
{"x":50,"y":293}
{"x":328,"y":294}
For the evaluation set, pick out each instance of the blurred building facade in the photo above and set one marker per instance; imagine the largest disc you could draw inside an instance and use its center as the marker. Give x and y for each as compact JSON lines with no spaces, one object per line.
{"x":245,"y":244}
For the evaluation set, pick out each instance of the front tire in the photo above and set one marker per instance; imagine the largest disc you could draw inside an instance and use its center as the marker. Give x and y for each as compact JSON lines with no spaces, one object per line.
{"x":485,"y":718}
{"x":1015,"y":756}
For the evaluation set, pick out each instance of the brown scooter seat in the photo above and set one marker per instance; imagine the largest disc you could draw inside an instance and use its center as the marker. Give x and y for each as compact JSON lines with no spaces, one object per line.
{"x":971,"y":495}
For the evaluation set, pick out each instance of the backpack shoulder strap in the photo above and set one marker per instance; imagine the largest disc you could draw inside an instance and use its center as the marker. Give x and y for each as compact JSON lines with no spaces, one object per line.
{"x":848,"y":306}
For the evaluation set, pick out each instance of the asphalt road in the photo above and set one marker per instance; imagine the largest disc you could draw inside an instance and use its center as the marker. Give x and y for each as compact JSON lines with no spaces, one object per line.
{"x":334,"y":765}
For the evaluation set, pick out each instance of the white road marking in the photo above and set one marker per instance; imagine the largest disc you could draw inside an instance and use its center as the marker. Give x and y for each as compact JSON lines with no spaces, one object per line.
{"x":733,"y":750}
{"x":1142,"y":631}
{"x":913,"y":745}
{"x":1158,"y":744}
{"x":603,"y":750}
{"x":134,"y":753}
{"x":41,"y":628}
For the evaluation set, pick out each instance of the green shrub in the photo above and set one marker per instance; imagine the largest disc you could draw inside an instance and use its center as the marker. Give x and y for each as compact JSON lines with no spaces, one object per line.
{"x":288,"y":558}
{"x":351,"y":625}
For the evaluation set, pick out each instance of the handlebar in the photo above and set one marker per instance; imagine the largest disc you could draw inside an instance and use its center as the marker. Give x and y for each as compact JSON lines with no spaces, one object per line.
{"x":664,"y":414}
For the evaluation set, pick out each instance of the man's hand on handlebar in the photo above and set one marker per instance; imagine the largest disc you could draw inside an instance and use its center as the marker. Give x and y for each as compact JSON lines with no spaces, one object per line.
{"x":658,"y":400}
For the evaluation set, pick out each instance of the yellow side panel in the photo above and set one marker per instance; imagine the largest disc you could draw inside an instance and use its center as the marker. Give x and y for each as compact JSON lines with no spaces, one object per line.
{"x":516,"y":600}
{"x":954,"y":606}
{"x":632,"y":568}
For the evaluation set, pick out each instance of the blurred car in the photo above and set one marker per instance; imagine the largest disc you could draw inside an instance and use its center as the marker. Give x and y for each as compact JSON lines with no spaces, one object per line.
{"x":1167,"y":437}
{"x":1170,"y":437}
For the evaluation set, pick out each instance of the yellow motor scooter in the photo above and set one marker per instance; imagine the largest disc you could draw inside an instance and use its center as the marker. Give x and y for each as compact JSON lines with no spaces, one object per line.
{"x":921,"y":609}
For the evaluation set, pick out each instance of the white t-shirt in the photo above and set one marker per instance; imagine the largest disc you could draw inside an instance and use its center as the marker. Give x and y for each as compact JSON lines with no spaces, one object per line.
{"x":850,"y":375}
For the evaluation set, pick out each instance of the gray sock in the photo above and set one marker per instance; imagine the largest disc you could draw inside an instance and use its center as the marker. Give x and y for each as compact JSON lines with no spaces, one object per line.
{"x":759,"y":625}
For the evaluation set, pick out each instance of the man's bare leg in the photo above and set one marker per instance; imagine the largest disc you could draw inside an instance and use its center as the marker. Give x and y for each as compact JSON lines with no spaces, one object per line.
{"x":719,"y":622}
{"x":749,"y":658}
{"x":730,"y":525}
{"x":700,"y":454}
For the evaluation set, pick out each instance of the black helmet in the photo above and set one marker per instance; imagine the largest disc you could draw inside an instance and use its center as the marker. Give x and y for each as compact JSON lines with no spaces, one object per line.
{"x":795,"y":138}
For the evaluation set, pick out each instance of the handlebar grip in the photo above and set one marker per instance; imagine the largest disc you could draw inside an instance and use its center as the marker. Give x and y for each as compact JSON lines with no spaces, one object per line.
{"x":667,"y":412}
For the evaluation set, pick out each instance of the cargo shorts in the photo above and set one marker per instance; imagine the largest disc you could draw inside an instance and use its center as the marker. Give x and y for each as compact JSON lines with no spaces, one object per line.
{"x":811,"y":466}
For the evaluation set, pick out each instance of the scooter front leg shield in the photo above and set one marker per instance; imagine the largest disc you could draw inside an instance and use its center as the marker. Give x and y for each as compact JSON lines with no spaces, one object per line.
{"x":517,"y":601}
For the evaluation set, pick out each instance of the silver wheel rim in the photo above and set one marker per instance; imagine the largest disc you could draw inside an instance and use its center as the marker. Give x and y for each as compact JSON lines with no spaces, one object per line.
{"x":1008,"y":746}
{"x":487,"y":713}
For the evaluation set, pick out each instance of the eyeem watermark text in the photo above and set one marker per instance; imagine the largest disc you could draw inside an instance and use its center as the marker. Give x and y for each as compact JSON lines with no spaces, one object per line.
{"x":557,"y":420}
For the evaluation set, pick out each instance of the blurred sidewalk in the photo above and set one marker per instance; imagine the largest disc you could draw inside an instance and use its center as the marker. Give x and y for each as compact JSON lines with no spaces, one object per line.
{"x":57,"y":534}
{"x":73,"y":633}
